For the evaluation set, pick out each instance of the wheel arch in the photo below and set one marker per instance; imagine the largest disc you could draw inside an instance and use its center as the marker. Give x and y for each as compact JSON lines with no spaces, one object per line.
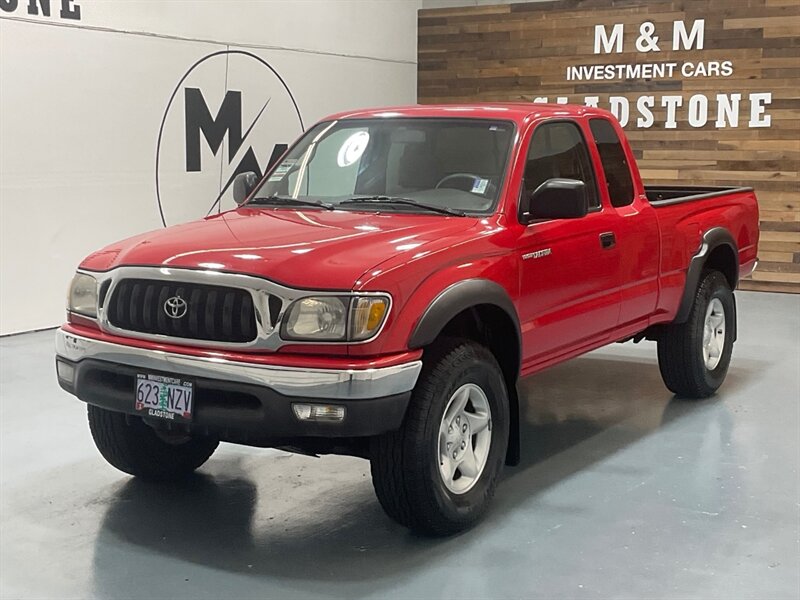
{"x":481,"y":310}
{"x":718,"y":251}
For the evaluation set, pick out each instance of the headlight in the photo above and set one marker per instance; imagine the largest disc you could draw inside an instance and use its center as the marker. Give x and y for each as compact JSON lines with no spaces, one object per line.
{"x":317,"y":318}
{"x":334,"y":318}
{"x":82,"y":297}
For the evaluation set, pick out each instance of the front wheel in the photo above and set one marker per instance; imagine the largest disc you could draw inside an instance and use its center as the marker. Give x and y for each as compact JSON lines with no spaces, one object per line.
{"x":438,"y":473}
{"x":132,"y":446}
{"x":694,"y":356}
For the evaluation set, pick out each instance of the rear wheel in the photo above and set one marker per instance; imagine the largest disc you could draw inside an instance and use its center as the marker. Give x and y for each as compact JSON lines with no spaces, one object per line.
{"x":132,"y":446}
{"x":694,"y":356}
{"x":438,"y":473}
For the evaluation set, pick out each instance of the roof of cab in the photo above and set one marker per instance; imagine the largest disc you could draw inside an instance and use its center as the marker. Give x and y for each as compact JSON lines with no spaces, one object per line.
{"x":509,"y":111}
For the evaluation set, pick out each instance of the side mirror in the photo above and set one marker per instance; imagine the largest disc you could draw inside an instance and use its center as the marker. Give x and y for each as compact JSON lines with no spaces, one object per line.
{"x":556,"y":199}
{"x":243,"y":184}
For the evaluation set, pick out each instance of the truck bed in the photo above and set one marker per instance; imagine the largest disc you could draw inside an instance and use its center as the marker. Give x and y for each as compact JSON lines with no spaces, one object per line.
{"x":664,"y":195}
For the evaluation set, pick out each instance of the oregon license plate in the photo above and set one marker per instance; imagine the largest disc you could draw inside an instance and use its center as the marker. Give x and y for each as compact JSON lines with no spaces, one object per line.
{"x":164,"y":397}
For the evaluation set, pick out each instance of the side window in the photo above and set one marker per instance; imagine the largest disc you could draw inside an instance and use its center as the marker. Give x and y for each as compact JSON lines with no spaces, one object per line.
{"x":558,"y":150}
{"x":615,"y":164}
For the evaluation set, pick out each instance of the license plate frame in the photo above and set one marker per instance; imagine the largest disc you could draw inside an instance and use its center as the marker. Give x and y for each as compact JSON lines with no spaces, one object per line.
{"x":164,"y":397}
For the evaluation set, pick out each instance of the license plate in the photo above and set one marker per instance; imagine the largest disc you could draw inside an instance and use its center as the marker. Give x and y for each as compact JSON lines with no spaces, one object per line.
{"x":164,"y":397}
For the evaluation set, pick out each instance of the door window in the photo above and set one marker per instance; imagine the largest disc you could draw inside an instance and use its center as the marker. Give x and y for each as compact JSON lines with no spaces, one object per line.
{"x":615,"y":163}
{"x":558,"y":150}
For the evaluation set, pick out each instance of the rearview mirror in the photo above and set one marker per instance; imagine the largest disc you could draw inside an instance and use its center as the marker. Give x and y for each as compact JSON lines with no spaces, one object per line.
{"x":243,"y":184}
{"x":556,"y":199}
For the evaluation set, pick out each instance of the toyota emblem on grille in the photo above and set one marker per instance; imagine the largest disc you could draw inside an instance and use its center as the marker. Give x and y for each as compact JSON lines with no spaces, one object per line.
{"x":175,"y":307}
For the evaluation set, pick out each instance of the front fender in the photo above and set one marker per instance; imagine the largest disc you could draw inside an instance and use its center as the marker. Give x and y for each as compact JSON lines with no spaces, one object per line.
{"x":455,"y":299}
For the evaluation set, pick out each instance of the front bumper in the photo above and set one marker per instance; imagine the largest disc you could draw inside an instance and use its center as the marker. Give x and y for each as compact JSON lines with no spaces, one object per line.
{"x":241,"y":401}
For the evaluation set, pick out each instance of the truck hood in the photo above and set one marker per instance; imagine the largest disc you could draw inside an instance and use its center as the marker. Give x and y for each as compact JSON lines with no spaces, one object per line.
{"x":298,"y":248}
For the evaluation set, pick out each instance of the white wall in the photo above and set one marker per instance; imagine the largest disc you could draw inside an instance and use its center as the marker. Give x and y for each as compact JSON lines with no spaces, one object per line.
{"x":82,"y":103}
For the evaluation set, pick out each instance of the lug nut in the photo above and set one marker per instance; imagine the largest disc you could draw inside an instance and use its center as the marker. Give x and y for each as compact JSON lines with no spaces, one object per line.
{"x":455,"y":454}
{"x":463,"y":445}
{"x":464,"y":428}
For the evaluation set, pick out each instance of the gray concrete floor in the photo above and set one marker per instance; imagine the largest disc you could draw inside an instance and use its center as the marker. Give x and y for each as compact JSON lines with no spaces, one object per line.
{"x":623,"y":492}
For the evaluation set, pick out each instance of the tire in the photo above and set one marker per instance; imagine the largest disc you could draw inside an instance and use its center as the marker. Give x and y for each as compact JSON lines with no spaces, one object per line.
{"x":681,"y":359}
{"x":406,"y":464}
{"x":132,"y":446}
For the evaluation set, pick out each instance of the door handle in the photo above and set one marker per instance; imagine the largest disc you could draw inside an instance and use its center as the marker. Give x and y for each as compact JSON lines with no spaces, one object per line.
{"x":607,"y":240}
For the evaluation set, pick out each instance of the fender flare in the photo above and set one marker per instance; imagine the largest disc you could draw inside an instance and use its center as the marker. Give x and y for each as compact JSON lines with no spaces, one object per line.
{"x":712,"y":239}
{"x":455,"y":299}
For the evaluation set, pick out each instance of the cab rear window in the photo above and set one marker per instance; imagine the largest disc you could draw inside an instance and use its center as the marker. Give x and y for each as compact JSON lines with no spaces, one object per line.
{"x":615,"y":163}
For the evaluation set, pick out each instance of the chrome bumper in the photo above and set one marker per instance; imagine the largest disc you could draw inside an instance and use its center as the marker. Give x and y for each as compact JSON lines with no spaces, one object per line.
{"x":337,"y":384}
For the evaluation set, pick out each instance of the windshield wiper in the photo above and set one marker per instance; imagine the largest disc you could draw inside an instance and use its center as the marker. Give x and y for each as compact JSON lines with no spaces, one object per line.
{"x":406,"y":202}
{"x":286,"y":201}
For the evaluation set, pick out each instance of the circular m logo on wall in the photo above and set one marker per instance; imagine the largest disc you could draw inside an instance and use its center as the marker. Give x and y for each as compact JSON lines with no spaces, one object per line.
{"x":231,"y":112}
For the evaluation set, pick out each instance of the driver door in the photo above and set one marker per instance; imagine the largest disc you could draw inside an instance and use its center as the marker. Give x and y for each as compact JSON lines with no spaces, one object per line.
{"x":569,"y":285}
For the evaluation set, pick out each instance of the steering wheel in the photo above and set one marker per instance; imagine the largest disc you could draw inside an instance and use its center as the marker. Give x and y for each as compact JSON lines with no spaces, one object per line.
{"x":472,"y":177}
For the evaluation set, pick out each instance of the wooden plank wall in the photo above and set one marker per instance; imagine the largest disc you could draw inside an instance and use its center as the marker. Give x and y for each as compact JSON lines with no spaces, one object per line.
{"x":522,"y":51}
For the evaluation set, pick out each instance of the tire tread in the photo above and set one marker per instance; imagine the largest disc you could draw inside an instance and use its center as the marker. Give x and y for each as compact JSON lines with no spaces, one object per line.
{"x":682,"y":370}
{"x":131,"y":446}
{"x":404,"y":489}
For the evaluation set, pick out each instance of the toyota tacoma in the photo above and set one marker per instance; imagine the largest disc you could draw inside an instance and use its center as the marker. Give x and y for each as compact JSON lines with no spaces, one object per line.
{"x":380,"y":291}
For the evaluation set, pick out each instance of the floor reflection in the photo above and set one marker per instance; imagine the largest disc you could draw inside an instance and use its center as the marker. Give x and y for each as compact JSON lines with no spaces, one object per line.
{"x":304,"y":529}
{"x":583,"y":411}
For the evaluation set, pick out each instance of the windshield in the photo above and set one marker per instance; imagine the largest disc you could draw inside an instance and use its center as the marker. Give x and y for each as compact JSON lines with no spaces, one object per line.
{"x":395,"y":164}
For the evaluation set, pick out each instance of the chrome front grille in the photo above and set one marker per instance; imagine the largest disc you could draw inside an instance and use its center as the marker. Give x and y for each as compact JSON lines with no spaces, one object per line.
{"x":184,"y":310}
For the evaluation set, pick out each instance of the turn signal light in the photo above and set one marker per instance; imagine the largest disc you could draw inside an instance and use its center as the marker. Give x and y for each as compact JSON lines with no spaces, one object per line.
{"x":366,"y":316}
{"x":319,"y":412}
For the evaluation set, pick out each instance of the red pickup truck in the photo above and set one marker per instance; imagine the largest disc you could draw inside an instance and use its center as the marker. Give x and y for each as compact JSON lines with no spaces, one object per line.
{"x":380,"y":291}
